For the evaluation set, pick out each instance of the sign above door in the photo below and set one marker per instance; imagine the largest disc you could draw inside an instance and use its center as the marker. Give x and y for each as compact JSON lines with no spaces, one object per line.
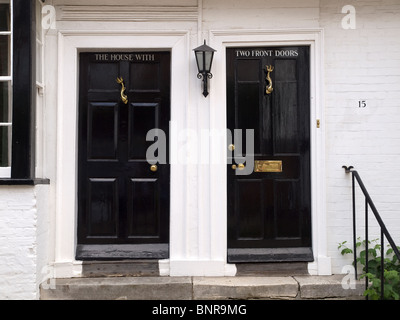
{"x":267,"y":53}
{"x":142,"y":57}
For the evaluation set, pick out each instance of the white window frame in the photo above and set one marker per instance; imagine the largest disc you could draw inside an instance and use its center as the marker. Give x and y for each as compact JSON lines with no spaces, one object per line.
{"x":40,"y":87}
{"x":40,"y":42}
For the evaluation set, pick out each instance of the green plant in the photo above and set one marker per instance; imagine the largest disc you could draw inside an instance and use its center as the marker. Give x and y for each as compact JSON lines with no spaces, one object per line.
{"x":391,"y":267}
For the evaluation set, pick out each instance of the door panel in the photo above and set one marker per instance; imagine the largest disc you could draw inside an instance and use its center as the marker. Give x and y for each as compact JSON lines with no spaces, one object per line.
{"x":249,"y":206}
{"x":143,"y":208}
{"x":96,"y":76}
{"x":287,"y":117}
{"x":268,"y":211}
{"x":145,"y":76}
{"x":248,"y":70}
{"x":102,"y":131}
{"x":286,"y":209}
{"x":142,"y":118}
{"x":122,"y":212}
{"x":103,"y":207}
{"x":248,"y":97}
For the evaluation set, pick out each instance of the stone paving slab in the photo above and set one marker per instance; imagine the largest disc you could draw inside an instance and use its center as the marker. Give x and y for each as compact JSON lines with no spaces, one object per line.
{"x":202,"y":288}
{"x":330,"y":287}
{"x":119,"y":288}
{"x":205,"y":288}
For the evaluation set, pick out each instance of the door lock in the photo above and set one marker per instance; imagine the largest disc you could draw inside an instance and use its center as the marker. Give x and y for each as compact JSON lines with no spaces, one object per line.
{"x":240,"y":166}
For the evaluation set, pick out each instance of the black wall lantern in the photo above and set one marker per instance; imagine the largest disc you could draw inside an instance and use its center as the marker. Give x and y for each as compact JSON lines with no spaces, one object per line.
{"x":204,"y":57}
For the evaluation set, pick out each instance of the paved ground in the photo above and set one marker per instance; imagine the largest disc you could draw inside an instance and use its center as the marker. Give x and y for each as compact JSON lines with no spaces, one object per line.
{"x":302,"y":287}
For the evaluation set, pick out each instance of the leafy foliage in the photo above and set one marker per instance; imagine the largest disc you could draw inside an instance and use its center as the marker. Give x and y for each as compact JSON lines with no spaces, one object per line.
{"x":391,"y":266}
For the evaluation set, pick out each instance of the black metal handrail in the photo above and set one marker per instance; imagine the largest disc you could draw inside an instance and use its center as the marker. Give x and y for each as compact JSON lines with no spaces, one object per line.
{"x":384,"y":231}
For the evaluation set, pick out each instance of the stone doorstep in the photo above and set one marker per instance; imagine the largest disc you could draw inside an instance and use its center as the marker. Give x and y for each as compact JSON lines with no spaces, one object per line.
{"x":330,"y":287}
{"x":201,"y":288}
{"x":244,"y":288}
{"x":118,"y":288}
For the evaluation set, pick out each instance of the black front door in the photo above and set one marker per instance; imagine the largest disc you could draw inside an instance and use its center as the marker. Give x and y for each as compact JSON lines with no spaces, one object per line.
{"x":123,"y":201}
{"x":269,"y":209}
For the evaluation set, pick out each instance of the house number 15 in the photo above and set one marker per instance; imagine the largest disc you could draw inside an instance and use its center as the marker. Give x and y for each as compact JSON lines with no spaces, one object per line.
{"x":362,"y":103}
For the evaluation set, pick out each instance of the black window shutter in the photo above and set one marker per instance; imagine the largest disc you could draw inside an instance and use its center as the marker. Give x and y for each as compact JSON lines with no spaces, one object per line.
{"x":24,"y":90}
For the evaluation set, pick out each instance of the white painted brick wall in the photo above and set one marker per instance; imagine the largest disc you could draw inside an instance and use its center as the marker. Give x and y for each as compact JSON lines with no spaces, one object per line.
{"x":18,"y":247}
{"x":362,"y":64}
{"x":19,"y":276}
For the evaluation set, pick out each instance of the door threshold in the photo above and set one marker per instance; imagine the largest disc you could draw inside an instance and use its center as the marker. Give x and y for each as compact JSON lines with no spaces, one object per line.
{"x":272,"y":269}
{"x":121,"y":251}
{"x":122,"y":268}
{"x":243,"y":255}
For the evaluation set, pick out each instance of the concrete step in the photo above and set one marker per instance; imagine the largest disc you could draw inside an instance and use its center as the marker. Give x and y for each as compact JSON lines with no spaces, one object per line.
{"x":201,"y":288}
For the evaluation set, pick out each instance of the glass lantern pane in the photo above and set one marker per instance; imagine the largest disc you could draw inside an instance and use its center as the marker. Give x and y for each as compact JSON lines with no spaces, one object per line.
{"x":5,"y":135}
{"x":5,"y":16}
{"x":200,"y":61}
{"x":209,"y":56}
{"x":4,"y":101}
{"x":4,"y":55}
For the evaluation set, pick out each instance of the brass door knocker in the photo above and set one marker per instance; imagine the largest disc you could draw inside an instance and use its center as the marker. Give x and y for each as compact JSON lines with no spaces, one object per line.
{"x":124,"y":97}
{"x":269,"y":86}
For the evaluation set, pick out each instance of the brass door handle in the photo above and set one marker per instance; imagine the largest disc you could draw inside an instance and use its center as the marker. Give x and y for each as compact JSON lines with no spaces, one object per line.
{"x":269,"y":86}
{"x":154,"y":168}
{"x":231,"y":147}
{"x":240,"y":166}
{"x":124,"y":97}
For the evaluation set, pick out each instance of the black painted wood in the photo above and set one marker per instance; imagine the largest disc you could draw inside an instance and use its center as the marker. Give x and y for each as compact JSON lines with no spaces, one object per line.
{"x":121,"y":201}
{"x":270,"y":210}
{"x":24,"y":90}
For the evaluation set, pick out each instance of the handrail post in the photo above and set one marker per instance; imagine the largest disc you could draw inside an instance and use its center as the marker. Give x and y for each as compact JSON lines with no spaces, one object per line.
{"x":354,"y":226}
{"x":382,"y":266}
{"x":353,"y":187}
{"x":366,"y":244}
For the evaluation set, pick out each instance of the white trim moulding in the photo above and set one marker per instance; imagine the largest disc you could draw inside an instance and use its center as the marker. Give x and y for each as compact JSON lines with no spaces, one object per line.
{"x":127,"y":13}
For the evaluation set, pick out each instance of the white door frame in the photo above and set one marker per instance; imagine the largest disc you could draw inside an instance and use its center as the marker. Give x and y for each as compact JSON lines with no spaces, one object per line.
{"x":70,"y":43}
{"x":222,"y":39}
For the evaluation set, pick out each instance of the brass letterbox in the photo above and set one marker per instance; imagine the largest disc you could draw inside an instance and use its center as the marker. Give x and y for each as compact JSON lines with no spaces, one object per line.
{"x":268,"y":166}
